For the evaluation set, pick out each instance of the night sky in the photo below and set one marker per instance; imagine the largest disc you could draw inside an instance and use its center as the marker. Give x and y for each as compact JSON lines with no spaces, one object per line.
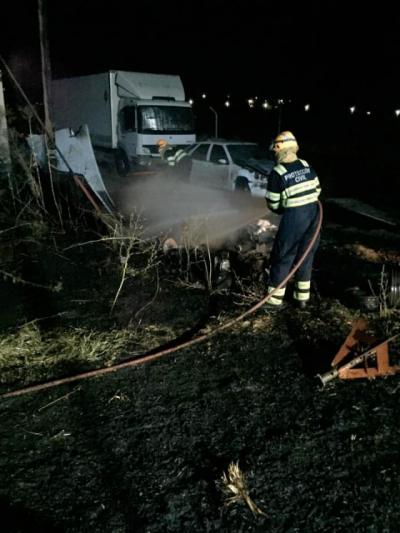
{"x":324,"y":53}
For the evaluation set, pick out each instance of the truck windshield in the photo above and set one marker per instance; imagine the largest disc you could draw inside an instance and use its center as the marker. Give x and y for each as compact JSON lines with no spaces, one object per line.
{"x":165,"y":119}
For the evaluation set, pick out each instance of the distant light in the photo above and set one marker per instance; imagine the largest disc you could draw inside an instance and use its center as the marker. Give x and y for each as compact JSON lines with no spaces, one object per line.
{"x":352,"y":109}
{"x":265,"y":104}
{"x":256,"y":98}
{"x":307,"y":107}
{"x":281,"y":101}
{"x":250,"y":101}
{"x":204,"y":95}
{"x":368,"y":113}
{"x":397,"y":112}
{"x":227,"y":103}
{"x":191,"y":102}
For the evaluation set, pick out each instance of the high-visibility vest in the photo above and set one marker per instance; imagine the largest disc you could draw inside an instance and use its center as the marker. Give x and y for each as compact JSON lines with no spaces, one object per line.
{"x":292,"y":185}
{"x":174,"y":156}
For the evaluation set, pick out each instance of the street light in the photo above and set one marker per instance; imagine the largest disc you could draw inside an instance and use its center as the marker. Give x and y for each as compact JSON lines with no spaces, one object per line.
{"x":216,"y":121}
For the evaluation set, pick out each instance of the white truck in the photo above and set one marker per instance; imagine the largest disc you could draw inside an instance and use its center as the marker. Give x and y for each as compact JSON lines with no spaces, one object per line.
{"x":126,"y":112}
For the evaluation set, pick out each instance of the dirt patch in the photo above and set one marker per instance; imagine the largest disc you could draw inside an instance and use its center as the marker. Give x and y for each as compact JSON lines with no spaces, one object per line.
{"x":375,"y":256}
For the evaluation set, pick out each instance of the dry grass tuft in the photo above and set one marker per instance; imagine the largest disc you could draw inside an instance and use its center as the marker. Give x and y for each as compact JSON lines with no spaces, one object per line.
{"x":30,"y":353}
{"x":234,"y":486}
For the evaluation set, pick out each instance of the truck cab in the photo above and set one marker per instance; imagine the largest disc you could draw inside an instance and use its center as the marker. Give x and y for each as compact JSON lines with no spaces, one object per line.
{"x":141,"y":123}
{"x":150,"y":107}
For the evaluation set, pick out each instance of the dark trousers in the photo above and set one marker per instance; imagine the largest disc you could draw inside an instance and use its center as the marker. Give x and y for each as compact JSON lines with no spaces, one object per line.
{"x":296,"y":229}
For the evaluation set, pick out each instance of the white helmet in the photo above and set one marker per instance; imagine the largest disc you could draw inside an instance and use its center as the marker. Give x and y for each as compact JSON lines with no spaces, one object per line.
{"x":283,"y":141}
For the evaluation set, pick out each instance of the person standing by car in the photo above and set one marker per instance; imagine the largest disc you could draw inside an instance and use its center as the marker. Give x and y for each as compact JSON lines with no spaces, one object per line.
{"x":178,"y":160}
{"x":293,"y":190}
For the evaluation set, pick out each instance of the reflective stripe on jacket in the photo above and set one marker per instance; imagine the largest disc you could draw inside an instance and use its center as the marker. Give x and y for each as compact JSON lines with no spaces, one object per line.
{"x":292,"y":185}
{"x":173,"y":156}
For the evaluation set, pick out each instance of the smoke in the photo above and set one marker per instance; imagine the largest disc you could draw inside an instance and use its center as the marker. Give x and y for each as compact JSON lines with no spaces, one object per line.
{"x":168,"y":206}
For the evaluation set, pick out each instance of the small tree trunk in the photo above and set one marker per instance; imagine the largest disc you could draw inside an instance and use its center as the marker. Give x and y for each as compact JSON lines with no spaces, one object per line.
{"x":5,"y":159}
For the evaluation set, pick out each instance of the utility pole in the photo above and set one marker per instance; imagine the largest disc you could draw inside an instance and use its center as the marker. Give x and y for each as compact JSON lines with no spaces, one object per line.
{"x":46,"y":83}
{"x":279,"y":117}
{"x":46,"y":69}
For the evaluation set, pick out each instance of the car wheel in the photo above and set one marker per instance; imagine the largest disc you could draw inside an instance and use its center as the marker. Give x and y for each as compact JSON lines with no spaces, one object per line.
{"x":242,"y":184}
{"x":122,"y":163}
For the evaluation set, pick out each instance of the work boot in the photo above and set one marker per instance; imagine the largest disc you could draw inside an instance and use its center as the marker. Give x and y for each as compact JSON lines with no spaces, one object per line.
{"x":271,"y":309}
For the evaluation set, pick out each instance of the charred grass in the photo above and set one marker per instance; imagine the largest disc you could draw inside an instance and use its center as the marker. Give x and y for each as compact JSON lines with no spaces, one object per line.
{"x":144,"y":449}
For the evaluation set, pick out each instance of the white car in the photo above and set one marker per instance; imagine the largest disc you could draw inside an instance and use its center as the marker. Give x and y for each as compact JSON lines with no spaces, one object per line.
{"x":232,"y":165}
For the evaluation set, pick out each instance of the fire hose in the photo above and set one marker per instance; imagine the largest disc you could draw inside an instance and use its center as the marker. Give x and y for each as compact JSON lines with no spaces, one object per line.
{"x":197,"y":340}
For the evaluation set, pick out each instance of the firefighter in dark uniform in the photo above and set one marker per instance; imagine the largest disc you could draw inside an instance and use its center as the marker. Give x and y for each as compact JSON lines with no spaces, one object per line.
{"x":293,"y":190}
{"x":178,"y":160}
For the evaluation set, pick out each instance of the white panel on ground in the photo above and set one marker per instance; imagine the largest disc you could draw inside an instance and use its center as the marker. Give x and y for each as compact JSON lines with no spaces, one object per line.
{"x":361,"y":208}
{"x":77,"y":157}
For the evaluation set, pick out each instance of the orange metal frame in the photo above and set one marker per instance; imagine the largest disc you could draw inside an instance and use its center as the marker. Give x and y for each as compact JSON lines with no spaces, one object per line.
{"x":358,"y":343}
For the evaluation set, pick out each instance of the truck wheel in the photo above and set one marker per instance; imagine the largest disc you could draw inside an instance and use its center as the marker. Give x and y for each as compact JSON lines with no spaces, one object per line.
{"x":242,"y":184}
{"x":122,"y":163}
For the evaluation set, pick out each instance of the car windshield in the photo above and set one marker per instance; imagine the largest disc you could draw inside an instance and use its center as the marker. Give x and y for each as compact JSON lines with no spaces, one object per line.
{"x":244,"y":152}
{"x":165,"y":119}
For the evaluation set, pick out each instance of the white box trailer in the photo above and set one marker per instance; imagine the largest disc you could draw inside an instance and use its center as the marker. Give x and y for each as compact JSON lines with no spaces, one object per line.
{"x":127,"y":112}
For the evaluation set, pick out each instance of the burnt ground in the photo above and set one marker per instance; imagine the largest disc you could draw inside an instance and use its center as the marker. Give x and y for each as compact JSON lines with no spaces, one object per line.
{"x":144,"y":449}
